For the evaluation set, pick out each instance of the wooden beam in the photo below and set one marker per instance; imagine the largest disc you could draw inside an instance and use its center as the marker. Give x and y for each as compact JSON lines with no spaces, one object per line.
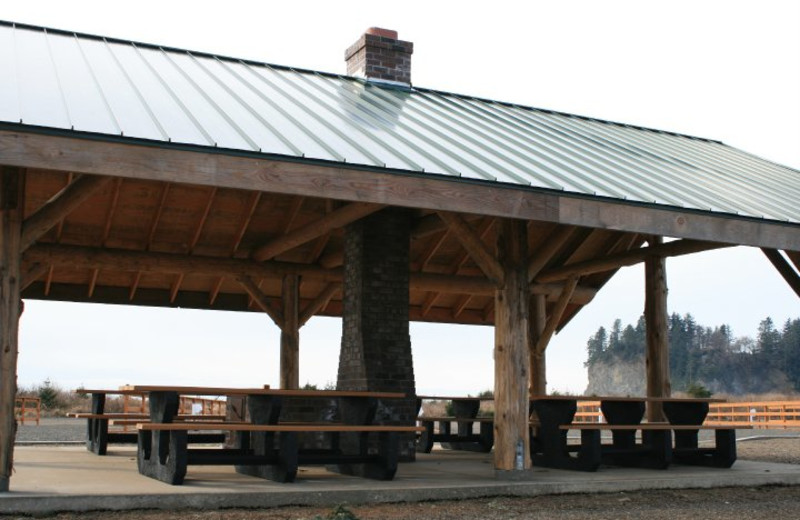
{"x":538,"y":323}
{"x":794,"y":256}
{"x":261,"y":299}
{"x":123,"y":260}
{"x":476,"y":248}
{"x":12,"y":200}
{"x":656,"y":319}
{"x":319,"y":303}
{"x":335,"y":220}
{"x":557,"y":314}
{"x":784,"y":268}
{"x":382,"y":186}
{"x":78,"y":257}
{"x":611,"y":262}
{"x":57,"y":208}
{"x":545,"y":252}
{"x":290,"y":333}
{"x":511,"y":434}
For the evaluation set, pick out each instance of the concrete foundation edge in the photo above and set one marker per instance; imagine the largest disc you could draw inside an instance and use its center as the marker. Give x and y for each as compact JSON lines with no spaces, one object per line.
{"x":48,"y":504}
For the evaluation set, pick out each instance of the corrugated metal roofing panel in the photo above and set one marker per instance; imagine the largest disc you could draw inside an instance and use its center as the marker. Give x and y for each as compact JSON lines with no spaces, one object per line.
{"x":83,"y":83}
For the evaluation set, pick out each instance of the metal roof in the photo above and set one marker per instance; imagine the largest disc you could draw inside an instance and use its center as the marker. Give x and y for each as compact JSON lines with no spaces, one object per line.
{"x":81,"y":83}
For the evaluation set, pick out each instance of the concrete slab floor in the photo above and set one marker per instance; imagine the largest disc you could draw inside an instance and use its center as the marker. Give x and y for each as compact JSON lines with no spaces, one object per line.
{"x":68,"y":478}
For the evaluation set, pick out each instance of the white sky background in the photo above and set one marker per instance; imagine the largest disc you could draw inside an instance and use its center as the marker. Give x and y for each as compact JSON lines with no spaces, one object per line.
{"x":727,"y":70}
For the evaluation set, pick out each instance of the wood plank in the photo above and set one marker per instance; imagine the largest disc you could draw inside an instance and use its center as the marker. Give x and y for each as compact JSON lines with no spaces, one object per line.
{"x":12,"y":200}
{"x":290,"y":333}
{"x":784,"y":268}
{"x":334,"y":220}
{"x":511,"y":378}
{"x":656,"y":319}
{"x":476,"y":248}
{"x":615,"y":261}
{"x":61,"y":205}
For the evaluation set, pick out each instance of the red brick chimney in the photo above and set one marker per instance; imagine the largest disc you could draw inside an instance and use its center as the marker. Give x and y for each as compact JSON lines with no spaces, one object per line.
{"x":379,"y":55}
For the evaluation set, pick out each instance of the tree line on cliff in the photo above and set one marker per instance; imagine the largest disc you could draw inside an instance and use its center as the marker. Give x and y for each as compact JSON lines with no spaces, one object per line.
{"x":709,"y":356}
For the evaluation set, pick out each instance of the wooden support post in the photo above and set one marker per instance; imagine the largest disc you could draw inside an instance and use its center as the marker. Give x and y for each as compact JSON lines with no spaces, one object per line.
{"x":12,"y":192}
{"x":512,"y":449}
{"x":290,"y":333}
{"x":655,"y":315}
{"x":538,"y":321}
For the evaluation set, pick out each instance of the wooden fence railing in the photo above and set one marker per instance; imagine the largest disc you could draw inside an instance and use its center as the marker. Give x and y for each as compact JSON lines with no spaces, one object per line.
{"x":28,"y":409}
{"x":187,"y":405}
{"x":756,"y":414}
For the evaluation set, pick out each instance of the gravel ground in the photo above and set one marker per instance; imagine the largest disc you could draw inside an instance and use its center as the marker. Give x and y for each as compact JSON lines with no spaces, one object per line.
{"x":722,"y":503}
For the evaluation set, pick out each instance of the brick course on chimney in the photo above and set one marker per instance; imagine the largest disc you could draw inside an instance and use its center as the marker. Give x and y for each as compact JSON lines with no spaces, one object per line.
{"x":379,"y":55}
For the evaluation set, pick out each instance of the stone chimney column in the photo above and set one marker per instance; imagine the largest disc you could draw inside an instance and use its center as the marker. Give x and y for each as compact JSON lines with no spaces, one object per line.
{"x":379,"y":55}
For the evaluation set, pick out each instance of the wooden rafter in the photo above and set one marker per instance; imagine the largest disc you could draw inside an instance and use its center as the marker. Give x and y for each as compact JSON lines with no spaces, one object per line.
{"x":547,"y":250}
{"x":31,"y":273}
{"x":319,"y":303}
{"x":294,"y":210}
{"x":176,"y":285}
{"x":151,"y":235}
{"x":427,"y":305}
{"x":611,"y":262}
{"x":247,"y":217}
{"x":334,"y":220}
{"x":784,"y":268}
{"x":430,"y":250}
{"x":112,"y":208}
{"x":455,"y":267}
{"x":57,"y":208}
{"x":461,"y":305}
{"x":556,"y":315}
{"x":476,"y":248}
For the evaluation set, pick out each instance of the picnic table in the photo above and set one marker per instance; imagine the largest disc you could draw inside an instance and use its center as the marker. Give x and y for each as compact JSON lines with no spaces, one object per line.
{"x":98,"y":436}
{"x":465,"y":415}
{"x":624,"y":416}
{"x":266,"y":447}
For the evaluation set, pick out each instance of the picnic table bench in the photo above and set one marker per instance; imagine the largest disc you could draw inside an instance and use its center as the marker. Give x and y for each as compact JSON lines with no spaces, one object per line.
{"x":465,"y":415}
{"x":624,"y":416}
{"x":263,"y":446}
{"x":98,"y":436}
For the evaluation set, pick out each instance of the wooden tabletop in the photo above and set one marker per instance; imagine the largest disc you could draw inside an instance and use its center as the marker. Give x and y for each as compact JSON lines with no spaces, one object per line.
{"x":627,"y":398}
{"x":201,"y":390}
{"x":460,"y":398}
{"x":120,"y":391}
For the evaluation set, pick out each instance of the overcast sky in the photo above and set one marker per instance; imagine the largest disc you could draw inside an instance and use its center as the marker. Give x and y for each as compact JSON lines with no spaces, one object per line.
{"x":727,"y":70}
